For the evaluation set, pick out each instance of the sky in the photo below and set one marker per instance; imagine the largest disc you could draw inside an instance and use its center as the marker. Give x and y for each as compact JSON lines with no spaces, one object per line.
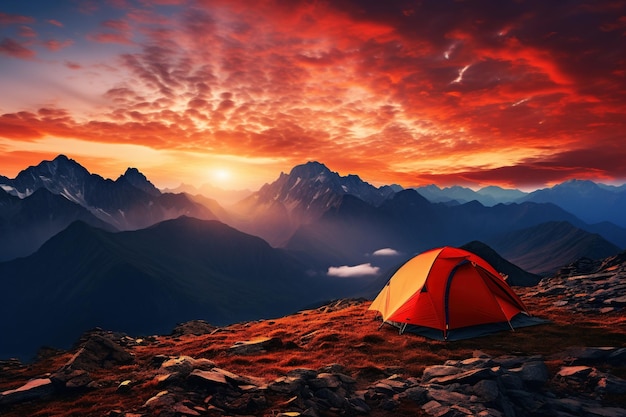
{"x":514,"y":93}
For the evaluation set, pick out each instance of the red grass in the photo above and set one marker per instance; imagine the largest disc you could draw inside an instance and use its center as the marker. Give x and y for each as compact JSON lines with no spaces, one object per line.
{"x":313,"y":339}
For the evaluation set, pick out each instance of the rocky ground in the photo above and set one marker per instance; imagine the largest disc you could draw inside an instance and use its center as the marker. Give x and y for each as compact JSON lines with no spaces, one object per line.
{"x":334,"y":361}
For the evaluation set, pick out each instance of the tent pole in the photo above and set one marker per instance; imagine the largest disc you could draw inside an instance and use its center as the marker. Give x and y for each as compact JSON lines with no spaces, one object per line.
{"x":402,"y":328}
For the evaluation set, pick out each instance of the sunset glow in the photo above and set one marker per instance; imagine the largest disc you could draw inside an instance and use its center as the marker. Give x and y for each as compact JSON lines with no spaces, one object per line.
{"x":522,"y":94}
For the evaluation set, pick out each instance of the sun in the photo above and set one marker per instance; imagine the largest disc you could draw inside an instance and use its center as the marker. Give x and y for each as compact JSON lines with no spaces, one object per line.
{"x":220,"y":176}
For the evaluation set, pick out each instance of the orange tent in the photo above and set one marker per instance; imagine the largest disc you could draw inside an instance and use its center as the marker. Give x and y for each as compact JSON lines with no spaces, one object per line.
{"x":447,"y":289}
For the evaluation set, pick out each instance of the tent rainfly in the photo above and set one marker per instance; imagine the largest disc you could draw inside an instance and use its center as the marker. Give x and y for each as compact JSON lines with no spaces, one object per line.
{"x":449,"y":293}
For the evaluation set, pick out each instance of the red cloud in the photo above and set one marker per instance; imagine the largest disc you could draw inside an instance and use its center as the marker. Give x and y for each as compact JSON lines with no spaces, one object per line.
{"x":55,"y":45}
{"x":72,"y":65}
{"x":371,"y":87}
{"x":27,"y":32}
{"x":121,"y":38}
{"x":55,"y":23}
{"x":118,"y":25}
{"x":11,"y":19}
{"x":15,"y":49}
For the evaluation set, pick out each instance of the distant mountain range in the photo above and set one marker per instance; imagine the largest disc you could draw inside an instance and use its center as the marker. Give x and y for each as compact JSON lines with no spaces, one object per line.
{"x":487,"y":196}
{"x":591,"y":202}
{"x":327,"y":218}
{"x":82,"y":251}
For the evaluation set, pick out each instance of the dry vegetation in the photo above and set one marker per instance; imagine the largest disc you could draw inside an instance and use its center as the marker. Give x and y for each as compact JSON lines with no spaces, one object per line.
{"x":315,"y":338}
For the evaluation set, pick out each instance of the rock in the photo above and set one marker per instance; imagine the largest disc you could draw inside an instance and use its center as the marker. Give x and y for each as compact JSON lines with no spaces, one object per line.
{"x":33,"y":389}
{"x":14,"y":363}
{"x":417,"y":394}
{"x":359,"y":405}
{"x":487,"y":389}
{"x":597,"y":411}
{"x":262,"y":344}
{"x":303,"y":373}
{"x":198,"y":376}
{"x":439,"y":371}
{"x":385,"y":389}
{"x":286,"y":385}
{"x":68,"y":378}
{"x":616,"y":301}
{"x":476,"y":362}
{"x":617,"y":357}
{"x":240,"y":380}
{"x":99,"y":352}
{"x":331,"y":397}
{"x":437,"y":409}
{"x":574,"y":371}
{"x":182,"y":409}
{"x":610,"y":384}
{"x":162,"y":399}
{"x":466,"y":377}
{"x":324,"y":380}
{"x":568,"y":405}
{"x":511,"y":381}
{"x":588,"y":355}
{"x":182,"y":366}
{"x":193,"y":327}
{"x":445,"y":396}
{"x":124,"y":386}
{"x":533,"y":373}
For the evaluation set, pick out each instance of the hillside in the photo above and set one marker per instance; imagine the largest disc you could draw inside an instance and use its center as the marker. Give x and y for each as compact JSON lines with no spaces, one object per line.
{"x":544,"y":248}
{"x":334,"y":360}
{"x":146,"y":281}
{"x":25,"y":224}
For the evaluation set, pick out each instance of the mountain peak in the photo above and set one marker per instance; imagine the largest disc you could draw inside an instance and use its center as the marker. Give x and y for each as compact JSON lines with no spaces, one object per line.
{"x":138,"y":180}
{"x":61,"y":163}
{"x":310,"y":170}
{"x":587,"y":184}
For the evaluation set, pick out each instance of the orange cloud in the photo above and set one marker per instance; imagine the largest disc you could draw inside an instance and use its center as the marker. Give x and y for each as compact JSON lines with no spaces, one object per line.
{"x":394,"y":91}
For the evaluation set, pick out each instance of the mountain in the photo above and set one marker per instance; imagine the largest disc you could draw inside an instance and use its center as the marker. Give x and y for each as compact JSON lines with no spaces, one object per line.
{"x":139,"y":181}
{"x":128,"y":203}
{"x":587,"y":200}
{"x":516,"y":276}
{"x":409,"y":223}
{"x":25,"y":224}
{"x":545,"y":247}
{"x":146,"y":281}
{"x":487,"y":196}
{"x":131,"y":202}
{"x":300,"y":197}
{"x":500,"y":195}
{"x":222,"y":196}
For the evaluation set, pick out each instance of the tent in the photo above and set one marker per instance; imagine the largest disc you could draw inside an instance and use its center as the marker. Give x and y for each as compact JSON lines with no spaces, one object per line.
{"x":449,"y":294}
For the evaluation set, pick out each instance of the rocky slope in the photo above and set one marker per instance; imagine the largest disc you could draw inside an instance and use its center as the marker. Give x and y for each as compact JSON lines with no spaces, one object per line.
{"x":334,"y":360}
